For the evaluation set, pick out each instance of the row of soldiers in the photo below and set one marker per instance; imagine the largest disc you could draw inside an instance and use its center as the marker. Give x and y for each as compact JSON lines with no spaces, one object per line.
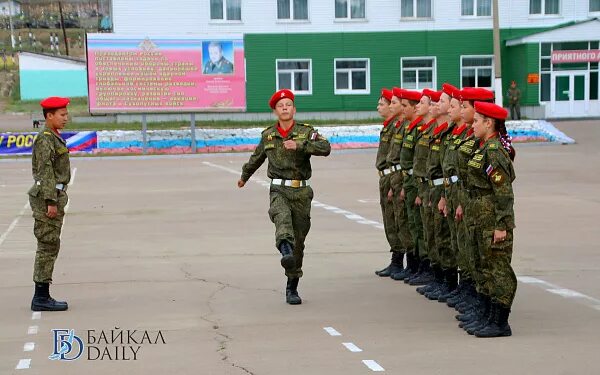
{"x":446,"y":173}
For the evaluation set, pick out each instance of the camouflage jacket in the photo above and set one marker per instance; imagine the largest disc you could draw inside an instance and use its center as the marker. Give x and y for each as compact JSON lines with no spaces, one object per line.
{"x":490,"y":170}
{"x":287,"y":164}
{"x":468,"y":145}
{"x":393,"y":156}
{"x":437,"y":150}
{"x":50,"y":165}
{"x":407,"y":152}
{"x":385,"y":141}
{"x":421,"y":155}
{"x":450,"y":157}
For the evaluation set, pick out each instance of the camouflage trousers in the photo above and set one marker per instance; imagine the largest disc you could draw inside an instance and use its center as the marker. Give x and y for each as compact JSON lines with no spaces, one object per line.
{"x":459,"y":259}
{"x":415,"y":224}
{"x":387,"y":211}
{"x":429,"y":250}
{"x":467,"y":253}
{"x":441,"y":231}
{"x":497,"y":277}
{"x":400,"y":214}
{"x":289,"y":210}
{"x":47,"y":232}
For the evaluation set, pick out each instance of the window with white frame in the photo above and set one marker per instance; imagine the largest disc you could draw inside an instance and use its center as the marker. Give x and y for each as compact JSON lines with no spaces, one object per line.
{"x":415,"y":8}
{"x":292,"y":9}
{"x":544,"y":7}
{"x":295,"y":75}
{"x":350,"y":9}
{"x":594,"y":6}
{"x":476,"y":8}
{"x":477,"y":71}
{"x":352,"y":76}
{"x":418,"y":73}
{"x":226,"y":10}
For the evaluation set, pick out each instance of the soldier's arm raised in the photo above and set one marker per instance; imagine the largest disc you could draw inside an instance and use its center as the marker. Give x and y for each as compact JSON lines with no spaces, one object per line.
{"x":44,"y":150}
{"x":256,"y":160}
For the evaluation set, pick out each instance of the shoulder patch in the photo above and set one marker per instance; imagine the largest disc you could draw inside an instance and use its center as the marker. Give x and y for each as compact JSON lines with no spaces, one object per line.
{"x":493,"y":146}
{"x":497,"y":177}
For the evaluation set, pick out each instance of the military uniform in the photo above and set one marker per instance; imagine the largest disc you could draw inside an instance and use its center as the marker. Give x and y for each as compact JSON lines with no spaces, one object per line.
{"x":514,"y":101}
{"x":410,"y":193}
{"x":51,"y":170}
{"x":290,"y":193}
{"x":223,"y":66}
{"x":442,"y":235}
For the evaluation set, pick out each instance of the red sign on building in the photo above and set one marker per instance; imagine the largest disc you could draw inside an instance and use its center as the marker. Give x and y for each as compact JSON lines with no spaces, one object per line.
{"x":576,"y":56}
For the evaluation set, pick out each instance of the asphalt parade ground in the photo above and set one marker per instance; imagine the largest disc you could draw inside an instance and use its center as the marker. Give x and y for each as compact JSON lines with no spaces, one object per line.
{"x":170,"y":248}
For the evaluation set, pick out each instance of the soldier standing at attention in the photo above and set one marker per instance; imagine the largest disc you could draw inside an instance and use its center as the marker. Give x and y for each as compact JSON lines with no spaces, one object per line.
{"x":288,"y":146}
{"x":409,"y":188}
{"x":384,"y":170}
{"x":427,"y":110}
{"x":489,"y":187}
{"x":514,"y":100}
{"x":48,"y":197}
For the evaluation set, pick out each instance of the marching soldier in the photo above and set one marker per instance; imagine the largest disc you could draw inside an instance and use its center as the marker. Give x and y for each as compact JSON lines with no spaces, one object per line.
{"x":48,"y":198}
{"x":288,"y":146}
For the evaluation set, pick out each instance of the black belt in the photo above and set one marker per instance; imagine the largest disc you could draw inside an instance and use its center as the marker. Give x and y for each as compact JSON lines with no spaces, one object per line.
{"x":478,"y":193}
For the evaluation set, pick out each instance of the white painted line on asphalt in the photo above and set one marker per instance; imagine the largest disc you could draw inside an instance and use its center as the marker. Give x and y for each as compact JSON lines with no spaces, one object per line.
{"x":36,"y":315}
{"x":332,"y":331}
{"x":349,"y":215}
{"x":23,"y":364}
{"x":567,"y":293}
{"x":29,"y":346}
{"x":32,"y":330}
{"x":563,"y":292}
{"x":374,"y":366}
{"x":13,"y":224}
{"x":353,"y":348}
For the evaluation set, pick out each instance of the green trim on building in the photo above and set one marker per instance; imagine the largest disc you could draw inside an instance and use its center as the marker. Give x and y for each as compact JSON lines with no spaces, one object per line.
{"x":384,"y":51}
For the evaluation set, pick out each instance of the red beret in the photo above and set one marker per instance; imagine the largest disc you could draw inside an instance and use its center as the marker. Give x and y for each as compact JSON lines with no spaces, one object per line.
{"x":281,"y":94}
{"x":386,"y":93}
{"x":491,"y":110}
{"x":452,"y":91}
{"x":476,"y":93}
{"x":397,"y":91}
{"x":412,"y":95}
{"x":433,"y":95}
{"x":54,"y":102}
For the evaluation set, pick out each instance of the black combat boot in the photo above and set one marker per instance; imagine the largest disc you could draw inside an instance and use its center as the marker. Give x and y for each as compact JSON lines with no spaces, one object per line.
{"x":438,"y":274}
{"x":397,"y":265}
{"x":43,"y":302}
{"x":287,"y":256}
{"x":414,"y":268}
{"x":405,"y":271}
{"x":498,"y":326}
{"x":386,"y":271}
{"x":462,"y":291}
{"x":484,"y":320}
{"x":451,"y":276}
{"x":425,"y":274}
{"x":475,"y":312}
{"x":291,"y":292}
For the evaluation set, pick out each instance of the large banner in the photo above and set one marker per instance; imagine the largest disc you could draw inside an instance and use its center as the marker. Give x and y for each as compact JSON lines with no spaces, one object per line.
{"x":22,"y":143}
{"x":165,"y":74}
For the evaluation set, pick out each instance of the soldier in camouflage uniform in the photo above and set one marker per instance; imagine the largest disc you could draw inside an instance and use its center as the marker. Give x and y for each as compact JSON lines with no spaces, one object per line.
{"x":385,"y":171}
{"x":446,"y":280}
{"x":476,"y":304}
{"x":409,"y":188}
{"x":489,"y":187}
{"x":288,"y":146}
{"x":397,"y":271}
{"x":48,"y":197}
{"x":427,"y":254}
